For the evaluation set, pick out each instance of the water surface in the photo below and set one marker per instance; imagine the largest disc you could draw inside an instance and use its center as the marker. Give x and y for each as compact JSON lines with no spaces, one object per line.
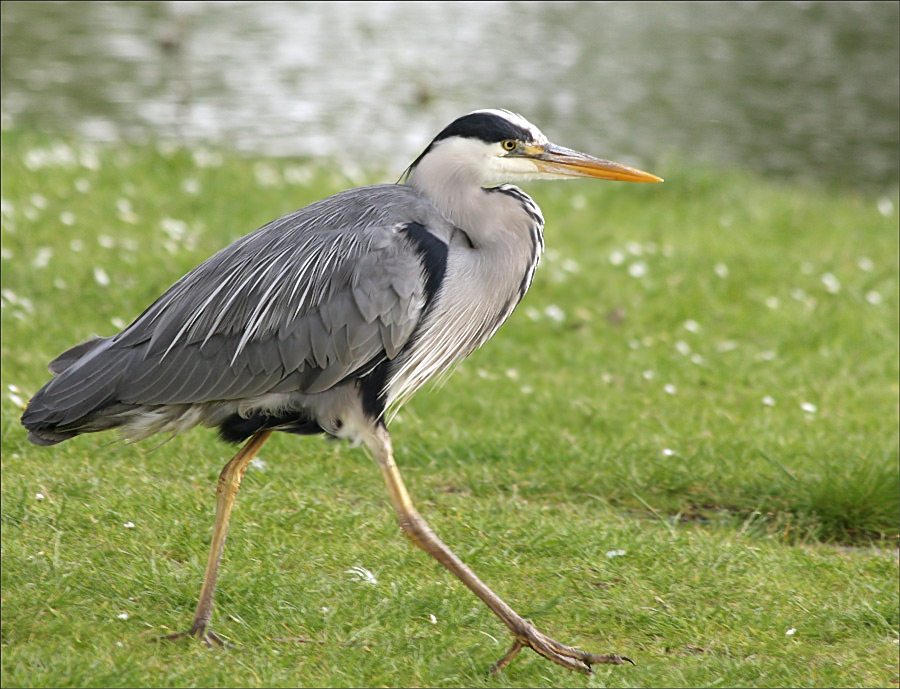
{"x":789,"y":89}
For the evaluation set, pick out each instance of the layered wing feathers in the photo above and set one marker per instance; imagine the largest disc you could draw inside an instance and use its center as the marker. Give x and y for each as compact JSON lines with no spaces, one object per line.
{"x":300,"y":304}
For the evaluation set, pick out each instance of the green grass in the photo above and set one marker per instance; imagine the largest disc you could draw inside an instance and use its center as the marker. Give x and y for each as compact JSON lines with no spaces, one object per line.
{"x":741,"y":514}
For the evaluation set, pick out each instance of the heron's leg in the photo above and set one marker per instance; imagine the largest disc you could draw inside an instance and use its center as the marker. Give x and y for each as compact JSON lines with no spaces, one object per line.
{"x":227,"y":490}
{"x":418,"y":531}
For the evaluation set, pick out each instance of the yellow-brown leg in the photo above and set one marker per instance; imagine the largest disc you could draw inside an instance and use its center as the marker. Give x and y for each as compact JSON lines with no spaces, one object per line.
{"x":415,"y":528}
{"x":227,"y":490}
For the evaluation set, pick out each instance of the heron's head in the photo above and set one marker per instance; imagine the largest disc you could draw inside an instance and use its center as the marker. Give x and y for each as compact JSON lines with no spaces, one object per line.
{"x":491,"y":147}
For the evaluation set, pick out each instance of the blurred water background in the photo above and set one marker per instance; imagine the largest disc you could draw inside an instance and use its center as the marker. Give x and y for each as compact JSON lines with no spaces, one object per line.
{"x":806,"y":90}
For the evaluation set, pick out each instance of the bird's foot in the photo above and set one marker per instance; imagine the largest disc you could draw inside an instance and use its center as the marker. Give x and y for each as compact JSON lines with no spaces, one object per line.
{"x":572,"y":658}
{"x":203,"y":634}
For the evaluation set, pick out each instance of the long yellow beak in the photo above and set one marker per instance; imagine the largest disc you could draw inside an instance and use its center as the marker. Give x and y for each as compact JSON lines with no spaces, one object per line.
{"x":564,"y":162}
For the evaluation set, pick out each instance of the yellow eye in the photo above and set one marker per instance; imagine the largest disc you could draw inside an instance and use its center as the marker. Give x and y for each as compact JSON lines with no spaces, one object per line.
{"x":509,"y":145}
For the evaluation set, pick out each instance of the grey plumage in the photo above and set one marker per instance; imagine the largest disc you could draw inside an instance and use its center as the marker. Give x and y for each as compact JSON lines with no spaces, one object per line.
{"x":299,"y":305}
{"x":312,"y":301}
{"x":328,"y":319}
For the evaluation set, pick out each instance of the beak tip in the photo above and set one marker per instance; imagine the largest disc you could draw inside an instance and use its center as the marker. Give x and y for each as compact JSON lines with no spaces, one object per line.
{"x":649,"y":177}
{"x":645,"y":177}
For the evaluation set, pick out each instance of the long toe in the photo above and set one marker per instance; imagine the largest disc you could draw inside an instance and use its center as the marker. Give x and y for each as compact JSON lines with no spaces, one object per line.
{"x":567,"y":656}
{"x":205,"y":636}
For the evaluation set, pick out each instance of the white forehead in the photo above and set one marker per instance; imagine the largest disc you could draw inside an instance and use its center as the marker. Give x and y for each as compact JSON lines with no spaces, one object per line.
{"x":517,"y":120}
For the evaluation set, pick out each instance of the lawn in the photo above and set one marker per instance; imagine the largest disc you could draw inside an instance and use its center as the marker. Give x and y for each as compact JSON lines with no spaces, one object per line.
{"x":682,"y":447}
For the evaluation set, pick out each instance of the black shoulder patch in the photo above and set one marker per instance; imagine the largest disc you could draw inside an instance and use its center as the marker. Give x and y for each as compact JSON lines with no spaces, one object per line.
{"x":433,"y":254}
{"x":373,"y":389}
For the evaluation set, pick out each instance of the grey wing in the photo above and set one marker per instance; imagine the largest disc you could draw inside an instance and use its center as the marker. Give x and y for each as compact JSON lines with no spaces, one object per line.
{"x":301,"y":304}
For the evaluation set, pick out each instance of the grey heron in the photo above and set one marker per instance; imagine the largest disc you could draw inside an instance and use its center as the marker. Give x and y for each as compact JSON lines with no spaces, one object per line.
{"x":328,"y":319}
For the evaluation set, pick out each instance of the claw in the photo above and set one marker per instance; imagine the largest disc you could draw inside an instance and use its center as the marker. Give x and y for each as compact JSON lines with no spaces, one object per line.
{"x":507,"y":658}
{"x":205,"y":636}
{"x":571,"y":658}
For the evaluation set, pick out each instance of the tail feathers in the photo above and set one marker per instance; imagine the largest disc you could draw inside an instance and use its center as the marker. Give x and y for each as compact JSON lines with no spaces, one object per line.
{"x":73,"y":401}
{"x":102,"y":419}
{"x":70,"y":356}
{"x":46,"y":438}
